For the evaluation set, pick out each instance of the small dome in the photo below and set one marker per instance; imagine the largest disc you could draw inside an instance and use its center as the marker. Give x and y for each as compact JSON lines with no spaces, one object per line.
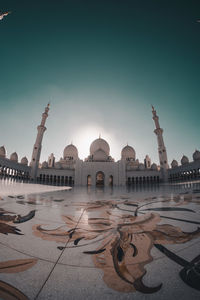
{"x":174,"y":163}
{"x":70,"y":151}
{"x":44,"y":165}
{"x":14,"y":157}
{"x":58,"y":165}
{"x":128,"y":153}
{"x":2,"y":151}
{"x":184,"y":160}
{"x":141,"y":167}
{"x":196,"y":155}
{"x":154,"y":167}
{"x":99,"y":144}
{"x":24,"y":161}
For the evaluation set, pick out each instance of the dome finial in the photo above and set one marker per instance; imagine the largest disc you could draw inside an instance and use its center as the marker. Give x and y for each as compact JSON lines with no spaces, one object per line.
{"x":154,"y":111}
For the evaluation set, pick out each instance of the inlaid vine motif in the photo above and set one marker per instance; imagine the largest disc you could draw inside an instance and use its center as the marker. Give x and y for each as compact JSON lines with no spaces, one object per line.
{"x":120,"y":234}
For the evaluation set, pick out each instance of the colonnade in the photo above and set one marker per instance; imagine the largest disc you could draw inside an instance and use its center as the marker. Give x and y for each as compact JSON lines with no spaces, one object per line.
{"x":55,"y":179}
{"x":13,"y":173}
{"x":142,"y":180}
{"x":185,"y":175}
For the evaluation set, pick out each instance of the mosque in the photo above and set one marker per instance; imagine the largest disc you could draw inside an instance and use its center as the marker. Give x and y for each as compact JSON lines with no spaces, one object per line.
{"x":99,"y":168}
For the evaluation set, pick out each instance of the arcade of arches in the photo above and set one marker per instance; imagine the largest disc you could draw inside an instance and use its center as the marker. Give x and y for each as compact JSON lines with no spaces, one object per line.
{"x":142,"y":179}
{"x":100,"y":179}
{"x":13,"y":173}
{"x":55,"y":179}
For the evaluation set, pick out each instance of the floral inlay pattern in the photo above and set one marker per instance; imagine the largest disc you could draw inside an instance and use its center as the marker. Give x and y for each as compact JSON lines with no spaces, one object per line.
{"x":124,"y":233}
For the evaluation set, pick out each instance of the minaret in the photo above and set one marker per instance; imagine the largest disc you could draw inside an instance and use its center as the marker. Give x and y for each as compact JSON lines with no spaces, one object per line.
{"x":38,"y":144}
{"x":161,"y":146}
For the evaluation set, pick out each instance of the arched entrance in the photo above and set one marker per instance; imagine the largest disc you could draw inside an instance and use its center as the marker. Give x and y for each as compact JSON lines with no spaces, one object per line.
{"x":111,"y":180}
{"x":89,"y":180}
{"x":100,"y":179}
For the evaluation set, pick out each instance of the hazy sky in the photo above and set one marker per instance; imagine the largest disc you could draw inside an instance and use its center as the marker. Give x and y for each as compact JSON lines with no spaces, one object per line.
{"x":101,"y":63}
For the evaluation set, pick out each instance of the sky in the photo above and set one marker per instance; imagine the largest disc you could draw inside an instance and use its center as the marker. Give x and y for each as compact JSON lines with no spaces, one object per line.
{"x":101,"y":64}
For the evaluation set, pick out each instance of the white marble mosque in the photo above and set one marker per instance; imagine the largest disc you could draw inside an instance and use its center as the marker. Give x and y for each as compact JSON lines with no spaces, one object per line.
{"x":99,"y":168}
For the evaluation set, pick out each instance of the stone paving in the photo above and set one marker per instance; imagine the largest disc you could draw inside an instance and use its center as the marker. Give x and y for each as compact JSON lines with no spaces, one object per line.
{"x":103,"y":243}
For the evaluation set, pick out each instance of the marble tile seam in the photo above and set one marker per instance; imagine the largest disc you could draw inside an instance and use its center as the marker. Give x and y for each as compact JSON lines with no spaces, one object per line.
{"x":178,"y":251}
{"x":46,"y":260}
{"x":32,"y":256}
{"x":187,"y":247}
{"x":77,"y":266}
{"x":65,"y":264}
{"x":89,"y":267}
{"x":55,"y":264}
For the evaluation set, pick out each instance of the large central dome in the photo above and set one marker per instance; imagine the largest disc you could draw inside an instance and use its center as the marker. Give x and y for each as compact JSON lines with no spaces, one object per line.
{"x":99,"y":144}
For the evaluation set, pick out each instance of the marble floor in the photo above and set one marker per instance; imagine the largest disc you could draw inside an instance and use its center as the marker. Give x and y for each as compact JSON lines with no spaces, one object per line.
{"x":100,"y":243}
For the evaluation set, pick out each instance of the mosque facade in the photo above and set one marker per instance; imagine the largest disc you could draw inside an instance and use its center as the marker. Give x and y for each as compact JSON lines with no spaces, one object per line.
{"x":99,"y":168}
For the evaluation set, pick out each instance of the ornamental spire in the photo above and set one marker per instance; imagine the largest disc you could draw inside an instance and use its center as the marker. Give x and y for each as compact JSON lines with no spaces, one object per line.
{"x":45,"y":115}
{"x":38,"y":144}
{"x":161,"y":146}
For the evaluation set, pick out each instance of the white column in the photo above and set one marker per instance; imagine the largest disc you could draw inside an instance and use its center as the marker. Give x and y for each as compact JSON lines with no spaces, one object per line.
{"x":161,"y":146}
{"x":38,"y":145}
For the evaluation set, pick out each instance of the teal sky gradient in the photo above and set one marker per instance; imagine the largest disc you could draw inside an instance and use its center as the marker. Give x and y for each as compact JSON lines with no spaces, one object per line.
{"x":101,"y":64}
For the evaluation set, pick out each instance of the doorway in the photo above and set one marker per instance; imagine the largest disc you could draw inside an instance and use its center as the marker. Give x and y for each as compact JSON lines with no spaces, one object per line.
{"x":100,"y":179}
{"x":111,"y":180}
{"x":89,"y":180}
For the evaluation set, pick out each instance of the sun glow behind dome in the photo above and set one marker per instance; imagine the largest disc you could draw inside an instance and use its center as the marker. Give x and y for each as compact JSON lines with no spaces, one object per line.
{"x":86,"y":135}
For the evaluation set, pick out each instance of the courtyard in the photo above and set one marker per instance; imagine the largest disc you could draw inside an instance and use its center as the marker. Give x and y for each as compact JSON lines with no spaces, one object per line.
{"x":138,"y":242}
